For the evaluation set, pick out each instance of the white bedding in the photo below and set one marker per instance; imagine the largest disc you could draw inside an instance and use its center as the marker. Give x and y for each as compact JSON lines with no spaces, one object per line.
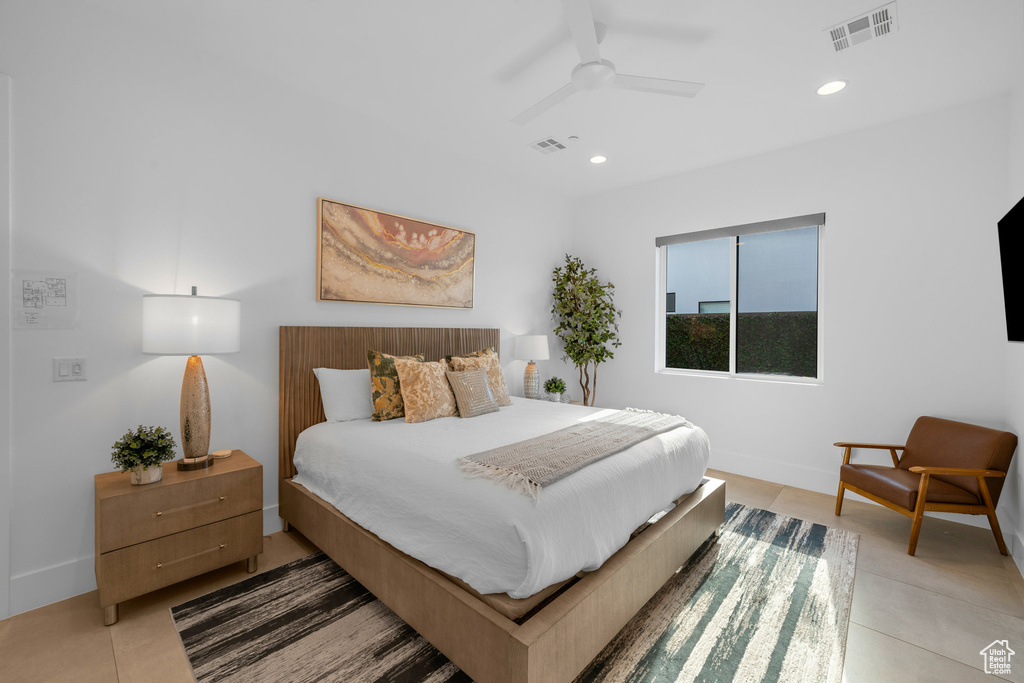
{"x":402,"y":482}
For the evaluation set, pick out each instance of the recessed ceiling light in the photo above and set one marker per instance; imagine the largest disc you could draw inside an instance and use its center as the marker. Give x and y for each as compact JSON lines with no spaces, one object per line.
{"x":598,"y":159}
{"x":831,"y":87}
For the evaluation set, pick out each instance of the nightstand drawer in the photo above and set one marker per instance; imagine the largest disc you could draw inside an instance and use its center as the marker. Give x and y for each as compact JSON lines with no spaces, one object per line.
{"x":149,"y":513}
{"x":145,"y":567}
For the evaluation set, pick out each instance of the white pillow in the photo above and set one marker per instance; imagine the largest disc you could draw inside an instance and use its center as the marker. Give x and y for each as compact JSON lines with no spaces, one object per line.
{"x":345,"y":394}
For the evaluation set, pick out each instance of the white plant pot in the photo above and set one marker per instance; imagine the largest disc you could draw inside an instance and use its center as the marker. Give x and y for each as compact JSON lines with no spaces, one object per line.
{"x":557,"y":398}
{"x":139,"y":476}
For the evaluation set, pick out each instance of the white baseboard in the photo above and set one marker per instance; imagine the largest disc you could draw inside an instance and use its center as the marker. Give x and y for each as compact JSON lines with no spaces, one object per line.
{"x":272,"y":522}
{"x":41,"y":587}
{"x":822,"y":481}
{"x":1016,"y":542}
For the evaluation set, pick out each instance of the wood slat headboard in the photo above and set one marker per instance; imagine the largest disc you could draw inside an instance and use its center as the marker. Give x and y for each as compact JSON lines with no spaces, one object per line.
{"x":305,"y":348}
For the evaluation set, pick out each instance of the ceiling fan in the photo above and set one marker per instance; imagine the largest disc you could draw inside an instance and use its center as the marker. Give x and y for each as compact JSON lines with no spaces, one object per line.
{"x":593,"y":72}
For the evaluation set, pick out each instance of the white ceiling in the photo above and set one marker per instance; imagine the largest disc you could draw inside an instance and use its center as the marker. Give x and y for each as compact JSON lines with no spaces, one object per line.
{"x":456,"y":71}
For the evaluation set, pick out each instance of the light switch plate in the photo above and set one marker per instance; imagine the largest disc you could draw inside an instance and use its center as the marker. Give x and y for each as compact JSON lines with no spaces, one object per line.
{"x":69,"y":370}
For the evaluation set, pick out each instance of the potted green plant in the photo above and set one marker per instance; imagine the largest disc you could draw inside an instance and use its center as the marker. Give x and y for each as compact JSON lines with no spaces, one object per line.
{"x":585,"y":318}
{"x":554,"y":387}
{"x":142,"y":451}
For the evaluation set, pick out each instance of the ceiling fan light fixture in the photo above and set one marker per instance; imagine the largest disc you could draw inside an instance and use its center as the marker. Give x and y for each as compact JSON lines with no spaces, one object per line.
{"x":831,"y":88}
{"x":593,"y":75}
{"x":598,"y":159}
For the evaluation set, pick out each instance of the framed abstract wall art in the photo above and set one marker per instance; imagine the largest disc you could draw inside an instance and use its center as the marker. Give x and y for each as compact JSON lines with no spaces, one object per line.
{"x":374,"y":257}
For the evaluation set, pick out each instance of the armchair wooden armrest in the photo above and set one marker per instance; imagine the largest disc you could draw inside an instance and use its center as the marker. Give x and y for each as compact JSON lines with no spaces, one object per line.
{"x":957,"y":471}
{"x":850,"y":445}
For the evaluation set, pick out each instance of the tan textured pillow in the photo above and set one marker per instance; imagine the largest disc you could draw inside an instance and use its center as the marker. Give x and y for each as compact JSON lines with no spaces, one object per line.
{"x":492,"y":366}
{"x":425,"y":390}
{"x":385,"y":387}
{"x":472,"y":394}
{"x":489,"y":351}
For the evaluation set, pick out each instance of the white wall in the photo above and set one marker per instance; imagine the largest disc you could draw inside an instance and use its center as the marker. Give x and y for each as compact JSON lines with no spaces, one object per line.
{"x":912,"y":312}
{"x":145,"y":167}
{"x":5,"y":347}
{"x":1015,"y":350}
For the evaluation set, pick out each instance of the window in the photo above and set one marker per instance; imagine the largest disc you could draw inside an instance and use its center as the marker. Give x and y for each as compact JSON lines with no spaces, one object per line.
{"x":745,"y":299}
{"x":713,"y":307}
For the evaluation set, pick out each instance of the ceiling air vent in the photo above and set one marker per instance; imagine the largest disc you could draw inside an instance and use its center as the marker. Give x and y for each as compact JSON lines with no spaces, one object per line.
{"x":547,"y":146}
{"x":874,"y":24}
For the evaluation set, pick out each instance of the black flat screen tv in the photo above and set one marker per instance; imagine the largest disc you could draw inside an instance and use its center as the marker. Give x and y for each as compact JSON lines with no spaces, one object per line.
{"x":1011,"y":258}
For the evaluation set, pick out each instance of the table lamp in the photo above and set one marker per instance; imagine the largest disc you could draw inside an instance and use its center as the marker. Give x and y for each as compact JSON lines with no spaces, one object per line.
{"x":181,"y":325}
{"x":531,"y":347}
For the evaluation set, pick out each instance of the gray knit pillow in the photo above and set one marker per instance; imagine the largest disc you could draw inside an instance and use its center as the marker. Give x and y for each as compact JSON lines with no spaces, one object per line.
{"x":472,"y":394}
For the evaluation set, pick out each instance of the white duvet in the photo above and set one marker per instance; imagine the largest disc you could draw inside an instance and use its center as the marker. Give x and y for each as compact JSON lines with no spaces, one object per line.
{"x":402,"y":482}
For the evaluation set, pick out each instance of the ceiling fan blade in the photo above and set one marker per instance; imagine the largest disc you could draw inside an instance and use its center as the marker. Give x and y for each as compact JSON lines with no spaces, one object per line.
{"x":660,"y":31}
{"x":661,"y":86}
{"x":545,"y":104}
{"x":528,"y":58}
{"x":580,"y":18}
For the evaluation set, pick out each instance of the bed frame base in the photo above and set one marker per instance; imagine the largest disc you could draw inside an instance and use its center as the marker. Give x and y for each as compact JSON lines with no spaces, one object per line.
{"x":554,"y":644}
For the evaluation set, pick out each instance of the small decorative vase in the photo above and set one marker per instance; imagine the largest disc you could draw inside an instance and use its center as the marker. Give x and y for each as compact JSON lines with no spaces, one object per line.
{"x":139,"y":476}
{"x":557,"y":398}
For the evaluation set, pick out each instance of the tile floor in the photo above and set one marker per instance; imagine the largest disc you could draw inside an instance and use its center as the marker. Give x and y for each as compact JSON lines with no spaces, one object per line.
{"x":922,"y":618}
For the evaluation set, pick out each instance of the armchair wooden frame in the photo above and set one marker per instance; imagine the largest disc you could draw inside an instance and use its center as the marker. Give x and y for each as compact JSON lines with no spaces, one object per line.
{"x":922,"y":506}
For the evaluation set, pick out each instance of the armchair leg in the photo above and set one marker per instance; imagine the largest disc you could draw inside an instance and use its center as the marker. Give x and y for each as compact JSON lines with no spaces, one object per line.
{"x":991,"y":512}
{"x":839,"y":498}
{"x":994,"y":523}
{"x":915,"y":529}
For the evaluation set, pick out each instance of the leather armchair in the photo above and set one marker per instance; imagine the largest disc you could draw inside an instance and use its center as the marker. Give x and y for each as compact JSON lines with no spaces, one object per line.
{"x":946,"y":466}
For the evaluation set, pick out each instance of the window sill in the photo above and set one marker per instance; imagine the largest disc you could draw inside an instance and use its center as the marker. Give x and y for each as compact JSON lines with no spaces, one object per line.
{"x":775,"y":379}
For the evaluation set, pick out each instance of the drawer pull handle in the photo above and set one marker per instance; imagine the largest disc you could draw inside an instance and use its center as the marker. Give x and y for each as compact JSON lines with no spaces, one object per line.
{"x":221,"y":546}
{"x":161,"y":513}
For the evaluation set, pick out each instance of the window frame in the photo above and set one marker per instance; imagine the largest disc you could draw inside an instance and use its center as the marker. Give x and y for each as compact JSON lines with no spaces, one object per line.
{"x":734,"y":233}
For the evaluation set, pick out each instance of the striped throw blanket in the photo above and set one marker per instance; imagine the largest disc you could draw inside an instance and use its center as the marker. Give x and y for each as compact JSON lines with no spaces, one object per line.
{"x":528,"y":466}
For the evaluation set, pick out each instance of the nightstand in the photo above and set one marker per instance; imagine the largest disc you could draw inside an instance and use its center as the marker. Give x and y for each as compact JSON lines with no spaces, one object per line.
{"x":188,"y":523}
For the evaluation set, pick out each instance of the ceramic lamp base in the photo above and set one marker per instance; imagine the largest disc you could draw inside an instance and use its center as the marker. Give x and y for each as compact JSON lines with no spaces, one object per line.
{"x":195,"y":415}
{"x":531,"y":384}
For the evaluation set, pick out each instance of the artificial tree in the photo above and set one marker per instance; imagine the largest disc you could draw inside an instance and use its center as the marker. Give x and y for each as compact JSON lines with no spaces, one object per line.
{"x":586,"y":320}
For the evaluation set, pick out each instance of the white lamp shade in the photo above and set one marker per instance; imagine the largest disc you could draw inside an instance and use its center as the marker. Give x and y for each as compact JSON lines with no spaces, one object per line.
{"x":532,"y":347}
{"x":180,"y":325}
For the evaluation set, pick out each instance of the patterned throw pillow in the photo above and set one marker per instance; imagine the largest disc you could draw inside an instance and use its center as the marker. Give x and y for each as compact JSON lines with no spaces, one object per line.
{"x":472,"y":394}
{"x":425,"y":390}
{"x":489,"y":351}
{"x":386,"y":390}
{"x":490,"y":365}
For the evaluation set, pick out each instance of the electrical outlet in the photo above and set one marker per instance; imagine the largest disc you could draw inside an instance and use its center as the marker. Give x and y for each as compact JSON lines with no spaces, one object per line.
{"x":69,"y":370}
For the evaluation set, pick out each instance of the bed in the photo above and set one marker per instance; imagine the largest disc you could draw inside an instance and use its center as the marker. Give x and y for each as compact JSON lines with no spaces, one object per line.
{"x":561,"y":629}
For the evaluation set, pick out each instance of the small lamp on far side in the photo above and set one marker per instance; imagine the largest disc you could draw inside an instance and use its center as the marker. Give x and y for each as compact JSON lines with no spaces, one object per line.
{"x":180,"y":325}
{"x":531,"y":347}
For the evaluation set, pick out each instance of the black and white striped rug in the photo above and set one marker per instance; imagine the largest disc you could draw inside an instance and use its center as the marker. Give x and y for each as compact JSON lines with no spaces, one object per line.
{"x":769,"y":600}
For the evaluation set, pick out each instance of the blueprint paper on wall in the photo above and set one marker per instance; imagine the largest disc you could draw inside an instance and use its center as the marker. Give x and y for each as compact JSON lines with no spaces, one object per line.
{"x":43,"y":299}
